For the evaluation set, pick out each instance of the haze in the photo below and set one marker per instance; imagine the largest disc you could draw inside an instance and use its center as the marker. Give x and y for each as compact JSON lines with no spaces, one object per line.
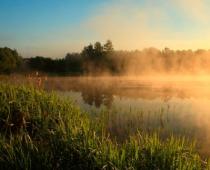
{"x":52,"y":28}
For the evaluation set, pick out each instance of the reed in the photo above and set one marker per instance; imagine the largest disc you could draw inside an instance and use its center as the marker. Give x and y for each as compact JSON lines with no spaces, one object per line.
{"x":40,"y":130}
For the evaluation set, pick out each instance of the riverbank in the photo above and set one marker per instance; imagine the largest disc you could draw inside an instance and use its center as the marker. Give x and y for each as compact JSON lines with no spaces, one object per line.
{"x":40,"y":130}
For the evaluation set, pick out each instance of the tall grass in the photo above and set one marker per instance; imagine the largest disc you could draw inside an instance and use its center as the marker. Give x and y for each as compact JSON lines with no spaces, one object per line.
{"x":40,"y":130}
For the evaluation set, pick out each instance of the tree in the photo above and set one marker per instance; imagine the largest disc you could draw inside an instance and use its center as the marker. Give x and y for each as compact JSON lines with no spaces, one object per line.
{"x":98,"y":51}
{"x":108,"y":46}
{"x":73,"y":63}
{"x":88,"y":52}
{"x":98,"y":47}
{"x":9,"y":60}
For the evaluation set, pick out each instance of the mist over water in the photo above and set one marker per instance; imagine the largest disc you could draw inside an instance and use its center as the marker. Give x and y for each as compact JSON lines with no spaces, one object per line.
{"x":167,"y":104}
{"x":105,"y":85}
{"x":177,"y":105}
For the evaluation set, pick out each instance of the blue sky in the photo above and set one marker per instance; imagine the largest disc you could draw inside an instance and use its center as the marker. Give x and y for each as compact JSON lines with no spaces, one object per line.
{"x":54,"y":27}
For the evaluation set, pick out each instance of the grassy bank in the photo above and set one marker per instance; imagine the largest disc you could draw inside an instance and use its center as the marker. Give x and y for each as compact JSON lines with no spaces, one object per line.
{"x":40,"y":130}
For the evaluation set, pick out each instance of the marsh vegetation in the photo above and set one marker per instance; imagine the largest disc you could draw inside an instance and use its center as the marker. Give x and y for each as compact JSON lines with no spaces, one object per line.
{"x":107,"y":112}
{"x":41,"y":130}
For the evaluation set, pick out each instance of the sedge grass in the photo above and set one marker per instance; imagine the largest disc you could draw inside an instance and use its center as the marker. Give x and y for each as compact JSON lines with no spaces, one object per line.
{"x":39,"y":130}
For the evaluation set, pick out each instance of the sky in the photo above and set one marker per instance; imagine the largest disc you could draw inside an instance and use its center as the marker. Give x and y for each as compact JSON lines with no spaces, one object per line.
{"x":52,"y":28}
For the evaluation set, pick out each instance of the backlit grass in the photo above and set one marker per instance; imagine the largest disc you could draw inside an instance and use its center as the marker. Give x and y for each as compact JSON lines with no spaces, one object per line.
{"x":39,"y":130}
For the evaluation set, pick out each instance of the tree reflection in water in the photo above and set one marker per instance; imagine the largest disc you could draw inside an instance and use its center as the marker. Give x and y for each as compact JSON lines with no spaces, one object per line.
{"x":101,"y":91}
{"x":94,"y":94}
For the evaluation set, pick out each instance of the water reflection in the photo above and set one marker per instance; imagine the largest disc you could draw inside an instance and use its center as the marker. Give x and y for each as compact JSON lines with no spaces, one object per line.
{"x":177,"y":107}
{"x":98,"y":91}
{"x":96,"y":95}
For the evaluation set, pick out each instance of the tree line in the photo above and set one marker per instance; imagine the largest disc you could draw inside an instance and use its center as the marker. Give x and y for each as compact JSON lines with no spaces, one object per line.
{"x":98,"y":58}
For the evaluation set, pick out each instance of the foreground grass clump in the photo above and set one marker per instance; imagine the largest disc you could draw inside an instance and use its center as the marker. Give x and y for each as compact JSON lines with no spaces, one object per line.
{"x":40,"y":130}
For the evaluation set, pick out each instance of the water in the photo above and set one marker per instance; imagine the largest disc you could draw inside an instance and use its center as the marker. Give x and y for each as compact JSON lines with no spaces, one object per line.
{"x":178,"y":107}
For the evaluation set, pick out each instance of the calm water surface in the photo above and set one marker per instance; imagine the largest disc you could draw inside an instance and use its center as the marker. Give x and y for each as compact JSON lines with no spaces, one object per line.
{"x":176,"y":107}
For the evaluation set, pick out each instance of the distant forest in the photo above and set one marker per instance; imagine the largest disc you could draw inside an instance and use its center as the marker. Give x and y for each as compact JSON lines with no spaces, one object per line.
{"x":97,"y":59}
